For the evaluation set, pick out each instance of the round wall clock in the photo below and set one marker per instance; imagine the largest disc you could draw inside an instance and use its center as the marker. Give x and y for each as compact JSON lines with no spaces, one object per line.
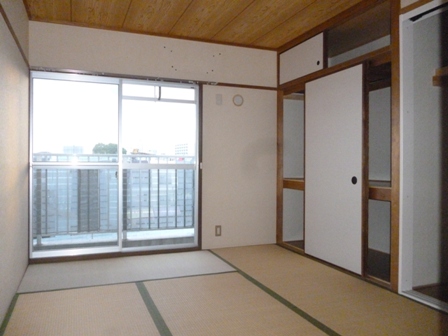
{"x":238,"y":100}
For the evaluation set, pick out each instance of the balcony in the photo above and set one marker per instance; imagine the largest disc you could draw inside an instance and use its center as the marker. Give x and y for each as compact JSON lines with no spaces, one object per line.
{"x":84,"y":204}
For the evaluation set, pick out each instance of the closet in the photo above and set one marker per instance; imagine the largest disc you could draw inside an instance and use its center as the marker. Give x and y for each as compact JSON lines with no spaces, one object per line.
{"x":424,"y":55}
{"x":334,"y":159}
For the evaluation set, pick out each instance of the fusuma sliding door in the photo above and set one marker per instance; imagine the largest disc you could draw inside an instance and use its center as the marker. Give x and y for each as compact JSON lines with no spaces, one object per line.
{"x":334,"y":173}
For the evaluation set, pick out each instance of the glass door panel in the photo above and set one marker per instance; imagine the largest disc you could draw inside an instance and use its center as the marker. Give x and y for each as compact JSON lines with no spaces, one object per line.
{"x":74,"y":165}
{"x":74,"y":121}
{"x":74,"y":208}
{"x":158,"y":132}
{"x":159,"y":170}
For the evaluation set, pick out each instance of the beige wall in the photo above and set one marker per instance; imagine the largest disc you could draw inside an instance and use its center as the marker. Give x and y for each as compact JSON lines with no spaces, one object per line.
{"x":239,"y":167}
{"x":18,"y":18}
{"x":76,"y":48}
{"x":13,"y":167}
{"x":405,"y":3}
{"x":239,"y":144}
{"x":428,"y":153}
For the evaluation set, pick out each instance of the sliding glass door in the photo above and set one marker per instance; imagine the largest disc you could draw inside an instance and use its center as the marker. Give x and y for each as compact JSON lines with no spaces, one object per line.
{"x":113,"y":165}
{"x":159,"y":164}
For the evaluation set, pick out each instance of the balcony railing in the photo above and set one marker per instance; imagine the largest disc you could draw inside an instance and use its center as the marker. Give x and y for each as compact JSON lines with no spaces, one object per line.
{"x":157,"y":194}
{"x":138,"y":158}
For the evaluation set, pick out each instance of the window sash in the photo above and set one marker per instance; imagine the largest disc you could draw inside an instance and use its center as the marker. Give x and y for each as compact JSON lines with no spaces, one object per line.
{"x":179,"y":216}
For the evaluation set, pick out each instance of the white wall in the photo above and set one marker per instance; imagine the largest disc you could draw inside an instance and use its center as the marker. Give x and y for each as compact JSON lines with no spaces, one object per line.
{"x":379,"y":134}
{"x":379,"y":226}
{"x":379,"y":166}
{"x":427,"y":152}
{"x":359,"y":51}
{"x":293,"y":166}
{"x":293,"y":215}
{"x":13,"y":167}
{"x":77,"y":48}
{"x":239,"y":167}
{"x":405,"y":3}
{"x":293,"y":138}
{"x":18,"y":18}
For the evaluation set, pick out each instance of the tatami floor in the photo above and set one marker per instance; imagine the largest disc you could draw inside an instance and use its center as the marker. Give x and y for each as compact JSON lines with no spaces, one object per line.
{"x":256,"y":290}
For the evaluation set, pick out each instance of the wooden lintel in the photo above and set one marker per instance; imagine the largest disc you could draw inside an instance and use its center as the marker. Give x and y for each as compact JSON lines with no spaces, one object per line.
{"x":297,"y":184}
{"x":380,"y":193}
{"x":294,"y":96}
{"x":441,"y":77}
{"x":378,"y":85}
{"x":442,"y":71}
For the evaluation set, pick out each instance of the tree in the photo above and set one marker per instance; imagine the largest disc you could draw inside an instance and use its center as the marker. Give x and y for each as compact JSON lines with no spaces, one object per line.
{"x":110,"y":148}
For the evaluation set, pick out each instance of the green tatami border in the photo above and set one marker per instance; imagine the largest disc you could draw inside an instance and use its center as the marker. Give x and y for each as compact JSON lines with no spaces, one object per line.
{"x":8,"y":314}
{"x":282,"y":300}
{"x":153,"y":311}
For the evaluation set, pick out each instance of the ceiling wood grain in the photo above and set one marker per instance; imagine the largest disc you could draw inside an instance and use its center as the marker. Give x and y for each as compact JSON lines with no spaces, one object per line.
{"x":49,"y":10}
{"x":106,"y":13}
{"x":203,"y":19}
{"x":260,"y":18}
{"x":310,"y":17}
{"x":268,"y":24}
{"x":155,"y":16}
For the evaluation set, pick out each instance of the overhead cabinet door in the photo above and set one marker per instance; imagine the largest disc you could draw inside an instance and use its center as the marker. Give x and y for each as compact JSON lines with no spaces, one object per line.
{"x":334,"y":168}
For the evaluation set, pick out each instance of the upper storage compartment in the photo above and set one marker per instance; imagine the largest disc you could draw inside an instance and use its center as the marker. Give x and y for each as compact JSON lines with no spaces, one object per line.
{"x":303,"y":59}
{"x":353,"y":39}
{"x":360,"y":35}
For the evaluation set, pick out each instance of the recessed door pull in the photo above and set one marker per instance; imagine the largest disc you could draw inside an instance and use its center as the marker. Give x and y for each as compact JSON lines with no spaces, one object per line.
{"x":354,"y":180}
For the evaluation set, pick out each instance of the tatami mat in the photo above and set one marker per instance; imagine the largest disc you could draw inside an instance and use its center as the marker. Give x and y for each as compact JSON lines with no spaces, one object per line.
{"x":105,"y":310}
{"x":342,"y":302}
{"x":223,"y":304}
{"x":266,"y":290}
{"x":75,"y":274}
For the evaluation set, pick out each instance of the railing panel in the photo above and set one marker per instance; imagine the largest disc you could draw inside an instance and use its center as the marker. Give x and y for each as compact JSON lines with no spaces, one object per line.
{"x":158,"y":199}
{"x":73,"y":201}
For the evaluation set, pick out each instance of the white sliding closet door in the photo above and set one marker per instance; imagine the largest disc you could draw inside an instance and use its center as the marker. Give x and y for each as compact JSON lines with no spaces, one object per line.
{"x":333,"y":160}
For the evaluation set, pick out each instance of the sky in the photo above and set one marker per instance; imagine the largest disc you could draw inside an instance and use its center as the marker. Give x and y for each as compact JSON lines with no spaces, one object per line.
{"x":67,"y":113}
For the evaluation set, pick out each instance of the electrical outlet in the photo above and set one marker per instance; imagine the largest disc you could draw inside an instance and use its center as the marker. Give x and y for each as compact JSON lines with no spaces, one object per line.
{"x":217,"y":230}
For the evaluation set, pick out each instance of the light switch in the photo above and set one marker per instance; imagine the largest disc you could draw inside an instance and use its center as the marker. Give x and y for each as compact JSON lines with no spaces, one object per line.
{"x":218,"y":99}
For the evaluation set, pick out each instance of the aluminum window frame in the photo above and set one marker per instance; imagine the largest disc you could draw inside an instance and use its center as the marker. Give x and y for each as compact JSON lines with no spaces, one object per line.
{"x":119,"y":164}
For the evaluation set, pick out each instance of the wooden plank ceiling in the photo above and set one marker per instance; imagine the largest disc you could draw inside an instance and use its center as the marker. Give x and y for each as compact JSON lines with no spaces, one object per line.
{"x":268,"y":24}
